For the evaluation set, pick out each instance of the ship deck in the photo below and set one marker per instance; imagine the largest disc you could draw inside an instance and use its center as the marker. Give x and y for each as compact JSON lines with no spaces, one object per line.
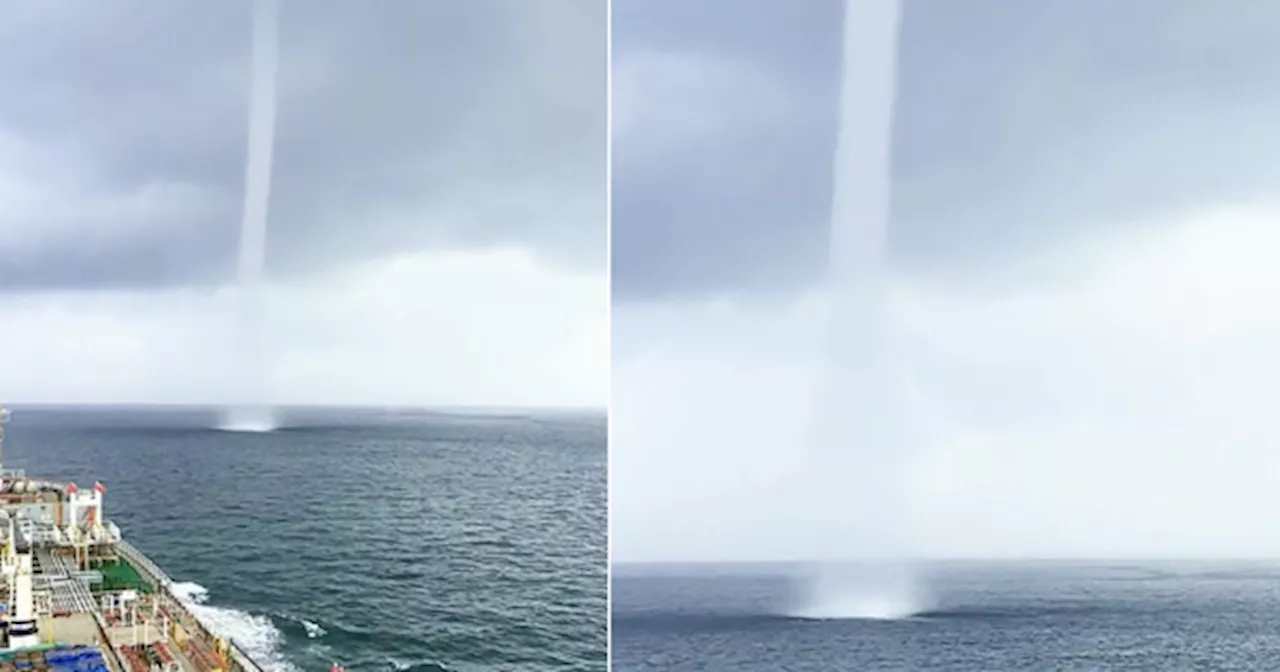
{"x":74,"y":595}
{"x":116,"y":641}
{"x":156,"y":630}
{"x":69,"y":595}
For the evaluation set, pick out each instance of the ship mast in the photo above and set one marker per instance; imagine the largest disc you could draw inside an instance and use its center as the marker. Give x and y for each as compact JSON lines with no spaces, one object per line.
{"x":4,"y":417}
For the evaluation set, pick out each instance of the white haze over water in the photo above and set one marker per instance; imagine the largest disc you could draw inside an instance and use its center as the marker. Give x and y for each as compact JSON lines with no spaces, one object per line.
{"x":253,"y":413}
{"x":857,"y":467}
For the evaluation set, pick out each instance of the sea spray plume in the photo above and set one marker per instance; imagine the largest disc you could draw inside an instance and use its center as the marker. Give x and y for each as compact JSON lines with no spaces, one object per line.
{"x":857,"y":462}
{"x":885,"y":590}
{"x":250,"y":411}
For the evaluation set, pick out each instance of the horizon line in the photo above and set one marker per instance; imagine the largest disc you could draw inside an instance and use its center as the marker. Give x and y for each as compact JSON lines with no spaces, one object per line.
{"x":957,"y":559}
{"x":302,"y":405}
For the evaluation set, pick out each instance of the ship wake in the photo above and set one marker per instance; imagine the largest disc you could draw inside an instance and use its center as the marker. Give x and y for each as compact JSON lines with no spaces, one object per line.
{"x":257,"y":635}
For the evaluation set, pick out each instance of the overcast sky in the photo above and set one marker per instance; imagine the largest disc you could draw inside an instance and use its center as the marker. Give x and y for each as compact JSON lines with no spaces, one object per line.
{"x":1080,"y":285}
{"x":437,"y":223}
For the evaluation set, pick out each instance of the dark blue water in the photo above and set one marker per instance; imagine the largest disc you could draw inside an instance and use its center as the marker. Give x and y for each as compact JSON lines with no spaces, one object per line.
{"x":385,"y":541}
{"x":1005,"y":616}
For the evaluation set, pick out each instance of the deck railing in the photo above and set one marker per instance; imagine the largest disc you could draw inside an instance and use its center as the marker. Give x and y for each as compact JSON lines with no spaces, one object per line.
{"x":143,"y":563}
{"x":239,"y":657}
{"x":107,"y":649}
{"x":240,"y":661}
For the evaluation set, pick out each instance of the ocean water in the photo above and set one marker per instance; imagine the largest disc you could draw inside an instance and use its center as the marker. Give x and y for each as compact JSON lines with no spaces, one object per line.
{"x":380,"y":540}
{"x":980,"y":616}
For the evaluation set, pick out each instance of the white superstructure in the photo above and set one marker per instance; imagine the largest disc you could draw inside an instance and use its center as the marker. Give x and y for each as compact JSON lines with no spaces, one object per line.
{"x":40,"y":521}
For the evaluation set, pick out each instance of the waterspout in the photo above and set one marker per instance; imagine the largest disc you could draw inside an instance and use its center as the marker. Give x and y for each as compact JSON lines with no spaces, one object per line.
{"x":252,"y":410}
{"x":858,"y":458}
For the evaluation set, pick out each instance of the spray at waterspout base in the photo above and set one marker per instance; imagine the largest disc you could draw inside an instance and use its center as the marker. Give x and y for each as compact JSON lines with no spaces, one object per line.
{"x":249,"y":419}
{"x":868,"y":590}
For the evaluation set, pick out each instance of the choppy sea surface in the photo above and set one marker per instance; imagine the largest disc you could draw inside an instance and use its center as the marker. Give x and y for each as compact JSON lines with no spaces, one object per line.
{"x":382,"y":540}
{"x":973,"y":616}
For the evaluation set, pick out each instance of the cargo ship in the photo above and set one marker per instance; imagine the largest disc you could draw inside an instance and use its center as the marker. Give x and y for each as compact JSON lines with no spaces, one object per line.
{"x":74,"y":595}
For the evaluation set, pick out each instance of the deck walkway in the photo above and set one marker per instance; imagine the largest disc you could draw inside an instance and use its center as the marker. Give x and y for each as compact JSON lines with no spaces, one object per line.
{"x":68,"y":594}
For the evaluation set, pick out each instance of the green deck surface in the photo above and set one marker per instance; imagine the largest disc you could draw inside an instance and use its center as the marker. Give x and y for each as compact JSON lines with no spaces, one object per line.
{"x":121,"y":576}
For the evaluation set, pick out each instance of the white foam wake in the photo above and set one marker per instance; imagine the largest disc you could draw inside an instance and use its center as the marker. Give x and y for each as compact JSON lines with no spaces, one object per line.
{"x":313,"y":629}
{"x":257,"y":635}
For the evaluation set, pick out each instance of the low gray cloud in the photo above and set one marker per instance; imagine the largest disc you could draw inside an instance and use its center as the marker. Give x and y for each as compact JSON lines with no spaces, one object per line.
{"x":1020,"y":126}
{"x":402,"y":125}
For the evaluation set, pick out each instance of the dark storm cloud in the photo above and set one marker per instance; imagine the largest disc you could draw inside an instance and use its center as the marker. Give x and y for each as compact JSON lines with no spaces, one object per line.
{"x":1019,"y":126}
{"x":428,"y":124}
